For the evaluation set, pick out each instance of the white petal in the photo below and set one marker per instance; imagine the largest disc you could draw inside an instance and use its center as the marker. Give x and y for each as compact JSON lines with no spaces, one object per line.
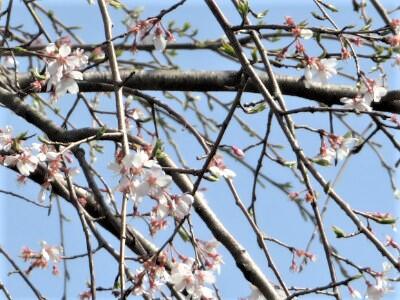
{"x":306,"y":34}
{"x":159,"y":42}
{"x":64,"y":50}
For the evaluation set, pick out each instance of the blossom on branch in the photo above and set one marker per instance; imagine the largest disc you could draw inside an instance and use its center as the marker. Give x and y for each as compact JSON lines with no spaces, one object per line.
{"x":62,"y":68}
{"x":25,"y":162}
{"x":319,"y":70}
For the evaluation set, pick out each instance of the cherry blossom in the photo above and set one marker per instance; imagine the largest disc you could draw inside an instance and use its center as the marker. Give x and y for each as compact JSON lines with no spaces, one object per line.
{"x":154,"y":182}
{"x":378,"y":290}
{"x":320,"y":70}
{"x":128,"y":186}
{"x":149,"y":32}
{"x":395,"y":24}
{"x":132,"y":163}
{"x":298,"y":31}
{"x":51,"y":253}
{"x":182,"y":205}
{"x":62,"y":65}
{"x":303,"y":33}
{"x":341,"y":144}
{"x":177,"y":206}
{"x":6,"y":139}
{"x":67,"y":83}
{"x":394,"y":40}
{"x":326,"y":156}
{"x":25,"y":162}
{"x":371,"y":91}
{"x":208,"y":250}
{"x":218,"y":168}
{"x":42,"y":258}
{"x":159,"y":41}
{"x":151,"y":276}
{"x":182,"y":276}
{"x":136,"y":114}
{"x":358,"y":103}
{"x":136,"y":162}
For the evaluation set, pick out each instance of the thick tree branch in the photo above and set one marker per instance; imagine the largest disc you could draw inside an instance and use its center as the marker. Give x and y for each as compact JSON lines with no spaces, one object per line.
{"x":202,"y":81}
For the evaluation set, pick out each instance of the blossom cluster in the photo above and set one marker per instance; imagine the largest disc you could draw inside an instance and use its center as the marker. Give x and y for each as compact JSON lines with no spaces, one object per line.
{"x":338,"y":148}
{"x":322,"y":69}
{"x":186,"y":274}
{"x":41,"y":259}
{"x":26,"y":159}
{"x":62,"y":68}
{"x":307,"y":256}
{"x":369,"y":93}
{"x":141,"y":177}
{"x":150,"y":32}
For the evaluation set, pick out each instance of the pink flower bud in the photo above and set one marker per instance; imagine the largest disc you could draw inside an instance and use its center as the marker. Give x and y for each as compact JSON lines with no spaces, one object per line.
{"x":237,"y":152}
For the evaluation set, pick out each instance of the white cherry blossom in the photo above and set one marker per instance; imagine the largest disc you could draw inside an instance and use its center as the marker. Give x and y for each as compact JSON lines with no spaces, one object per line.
{"x":6,"y":139}
{"x":320,"y":70}
{"x":177,"y":206}
{"x":378,"y":290}
{"x":62,"y":65}
{"x":326,"y":156}
{"x":183,"y":204}
{"x":137,"y":161}
{"x":154,"y":182}
{"x":342,"y":144}
{"x":51,"y":253}
{"x":67,"y":83}
{"x":372,"y":92}
{"x":182,"y":276}
{"x":219,"y":169}
{"x":358,"y":103}
{"x":159,"y":41}
{"x":25,"y":162}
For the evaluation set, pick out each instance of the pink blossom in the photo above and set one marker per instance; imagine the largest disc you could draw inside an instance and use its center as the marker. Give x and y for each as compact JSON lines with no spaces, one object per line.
{"x":394,"y":40}
{"x":341,"y":144}
{"x":326,"y":155}
{"x":395,"y":24}
{"x":238,"y":152}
